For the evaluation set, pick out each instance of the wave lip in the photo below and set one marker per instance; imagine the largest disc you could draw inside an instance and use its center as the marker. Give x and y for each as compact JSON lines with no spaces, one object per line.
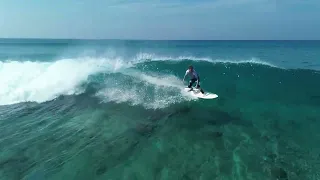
{"x":146,"y":57}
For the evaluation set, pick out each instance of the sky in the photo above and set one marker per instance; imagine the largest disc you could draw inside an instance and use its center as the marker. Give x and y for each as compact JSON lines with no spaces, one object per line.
{"x":155,"y":19}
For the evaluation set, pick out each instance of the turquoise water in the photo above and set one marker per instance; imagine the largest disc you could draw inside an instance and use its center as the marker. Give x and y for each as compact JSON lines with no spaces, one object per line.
{"x":111,"y":109}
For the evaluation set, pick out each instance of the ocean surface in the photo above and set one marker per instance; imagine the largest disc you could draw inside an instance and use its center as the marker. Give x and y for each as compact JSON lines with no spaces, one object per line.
{"x":116,"y":109}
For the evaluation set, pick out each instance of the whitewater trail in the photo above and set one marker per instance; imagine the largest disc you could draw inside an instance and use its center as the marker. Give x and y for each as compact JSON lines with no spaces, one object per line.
{"x":152,"y":90}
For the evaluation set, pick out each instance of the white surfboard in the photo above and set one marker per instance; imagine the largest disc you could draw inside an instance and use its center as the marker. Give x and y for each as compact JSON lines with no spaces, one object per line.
{"x":196,"y":92}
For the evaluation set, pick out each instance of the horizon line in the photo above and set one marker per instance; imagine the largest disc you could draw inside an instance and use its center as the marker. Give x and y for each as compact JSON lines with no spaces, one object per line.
{"x":137,"y":39}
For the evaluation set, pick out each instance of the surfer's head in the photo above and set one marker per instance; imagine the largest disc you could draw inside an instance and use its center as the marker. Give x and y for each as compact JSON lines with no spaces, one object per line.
{"x":191,"y":67}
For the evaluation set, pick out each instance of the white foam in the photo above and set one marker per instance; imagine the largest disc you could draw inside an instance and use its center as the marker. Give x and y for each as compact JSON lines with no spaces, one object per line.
{"x":157,"y":91}
{"x":43,"y":81}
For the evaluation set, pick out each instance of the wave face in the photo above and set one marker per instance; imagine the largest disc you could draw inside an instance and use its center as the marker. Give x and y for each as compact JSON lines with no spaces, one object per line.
{"x":98,"y":107}
{"x":146,"y":79}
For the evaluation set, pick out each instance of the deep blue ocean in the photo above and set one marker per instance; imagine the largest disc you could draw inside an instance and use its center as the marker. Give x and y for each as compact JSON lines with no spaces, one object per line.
{"x":116,"y":109}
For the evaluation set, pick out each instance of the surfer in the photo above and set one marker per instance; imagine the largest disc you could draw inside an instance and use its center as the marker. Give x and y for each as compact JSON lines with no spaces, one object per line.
{"x":194,"y":77}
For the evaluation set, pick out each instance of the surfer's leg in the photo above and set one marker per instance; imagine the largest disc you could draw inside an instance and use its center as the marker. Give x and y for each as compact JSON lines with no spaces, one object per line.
{"x":191,"y":83}
{"x":198,"y":86}
{"x":198,"y":83}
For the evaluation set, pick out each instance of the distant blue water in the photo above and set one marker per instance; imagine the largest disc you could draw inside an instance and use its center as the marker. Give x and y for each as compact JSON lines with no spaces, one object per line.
{"x":115,"y":109}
